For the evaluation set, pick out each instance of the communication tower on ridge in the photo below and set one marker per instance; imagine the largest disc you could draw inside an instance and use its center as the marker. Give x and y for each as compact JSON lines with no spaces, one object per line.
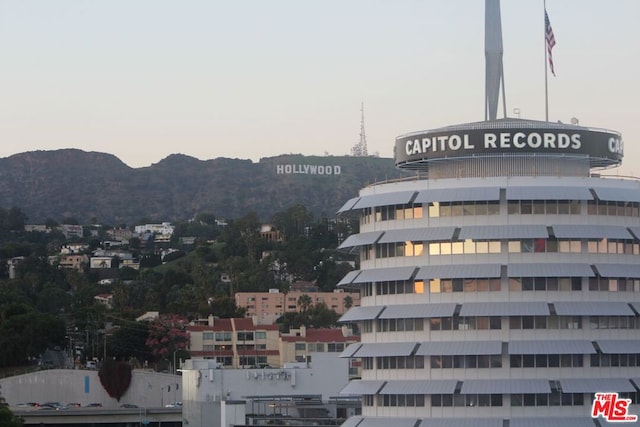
{"x":360,"y":149}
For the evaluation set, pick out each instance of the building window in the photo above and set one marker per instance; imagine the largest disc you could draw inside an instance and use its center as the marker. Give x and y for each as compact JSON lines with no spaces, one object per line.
{"x":335,"y":347}
{"x":562,"y":284}
{"x":546,"y":360}
{"x":463,"y":285}
{"x":555,"y":398}
{"x":403,"y":400}
{"x":207,"y":336}
{"x":466,"y":361}
{"x":469,"y":400}
{"x":223,"y":336}
{"x":300,"y":346}
{"x":399,"y":362}
{"x":245,"y":336}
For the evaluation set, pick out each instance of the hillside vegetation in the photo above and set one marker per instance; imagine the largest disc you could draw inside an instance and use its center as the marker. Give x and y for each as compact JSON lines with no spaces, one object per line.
{"x":91,"y":185}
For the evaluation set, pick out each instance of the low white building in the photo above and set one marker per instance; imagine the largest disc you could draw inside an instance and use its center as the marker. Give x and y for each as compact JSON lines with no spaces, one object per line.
{"x":210,"y":394}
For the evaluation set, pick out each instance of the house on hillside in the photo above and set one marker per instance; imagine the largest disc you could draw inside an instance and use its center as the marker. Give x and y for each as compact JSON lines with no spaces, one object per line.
{"x":73,"y":261}
{"x":104,"y":299}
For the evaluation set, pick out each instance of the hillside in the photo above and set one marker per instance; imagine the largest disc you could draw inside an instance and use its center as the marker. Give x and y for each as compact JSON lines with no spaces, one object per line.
{"x":84,"y":185}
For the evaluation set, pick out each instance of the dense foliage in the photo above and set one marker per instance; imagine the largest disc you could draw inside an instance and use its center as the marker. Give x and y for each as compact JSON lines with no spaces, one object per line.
{"x":44,"y":307}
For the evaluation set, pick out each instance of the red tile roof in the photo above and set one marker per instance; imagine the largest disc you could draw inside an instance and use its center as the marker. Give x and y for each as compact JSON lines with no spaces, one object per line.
{"x":244,"y":324}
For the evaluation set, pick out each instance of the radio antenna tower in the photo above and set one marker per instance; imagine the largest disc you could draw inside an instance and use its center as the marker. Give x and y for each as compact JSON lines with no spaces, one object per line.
{"x":360,"y":149}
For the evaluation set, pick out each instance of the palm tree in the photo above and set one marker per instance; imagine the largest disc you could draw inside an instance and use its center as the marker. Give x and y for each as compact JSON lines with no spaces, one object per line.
{"x":305,"y":302}
{"x":348,"y":302}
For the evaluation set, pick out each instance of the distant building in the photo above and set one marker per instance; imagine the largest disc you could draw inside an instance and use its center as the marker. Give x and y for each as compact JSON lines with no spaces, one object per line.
{"x":270,"y":233}
{"x":101,"y":262}
{"x":298,"y":344}
{"x":104,"y":299}
{"x":162,"y":232}
{"x":267,"y":307}
{"x":235,"y":342}
{"x":71,"y":231}
{"x":12,"y":264}
{"x":73,"y":261}
{"x":73,"y":248}
{"x":120,"y":234}
{"x":41,"y":228}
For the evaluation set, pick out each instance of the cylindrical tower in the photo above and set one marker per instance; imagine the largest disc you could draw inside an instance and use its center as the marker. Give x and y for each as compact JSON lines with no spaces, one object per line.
{"x":502,"y":286}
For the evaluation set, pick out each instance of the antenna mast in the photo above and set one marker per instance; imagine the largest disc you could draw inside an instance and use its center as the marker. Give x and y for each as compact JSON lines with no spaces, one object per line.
{"x":360,"y":149}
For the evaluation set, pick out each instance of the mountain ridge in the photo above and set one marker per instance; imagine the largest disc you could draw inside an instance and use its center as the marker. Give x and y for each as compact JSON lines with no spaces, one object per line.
{"x":74,"y":183}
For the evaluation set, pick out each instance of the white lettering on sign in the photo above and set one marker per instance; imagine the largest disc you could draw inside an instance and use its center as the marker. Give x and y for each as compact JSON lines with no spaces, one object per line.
{"x":309,"y":169}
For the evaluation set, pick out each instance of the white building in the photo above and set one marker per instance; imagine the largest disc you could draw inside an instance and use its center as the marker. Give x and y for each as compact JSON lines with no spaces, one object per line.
{"x":162,"y":232}
{"x":501,"y":283}
{"x":500,"y":286}
{"x":504,"y":286}
{"x":222,"y":397}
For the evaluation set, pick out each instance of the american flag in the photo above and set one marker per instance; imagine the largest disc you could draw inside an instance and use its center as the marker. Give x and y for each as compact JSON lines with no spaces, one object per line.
{"x":551,"y":40}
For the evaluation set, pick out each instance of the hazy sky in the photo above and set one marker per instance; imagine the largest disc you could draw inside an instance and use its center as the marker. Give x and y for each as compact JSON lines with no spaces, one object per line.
{"x":143,"y":79}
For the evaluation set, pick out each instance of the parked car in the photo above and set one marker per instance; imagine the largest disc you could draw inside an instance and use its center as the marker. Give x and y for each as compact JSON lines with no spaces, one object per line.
{"x":173,"y":405}
{"x":94,"y":405}
{"x":128,"y":405}
{"x":56,"y":406}
{"x":28,"y":405}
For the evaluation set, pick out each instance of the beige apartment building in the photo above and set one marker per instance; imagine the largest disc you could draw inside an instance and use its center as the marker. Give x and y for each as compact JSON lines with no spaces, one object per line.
{"x":239,"y":343}
{"x":236,"y":343}
{"x":266,"y":307}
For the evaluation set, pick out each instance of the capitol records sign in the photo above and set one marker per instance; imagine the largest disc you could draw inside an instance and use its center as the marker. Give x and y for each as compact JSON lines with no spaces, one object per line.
{"x":440,"y":144}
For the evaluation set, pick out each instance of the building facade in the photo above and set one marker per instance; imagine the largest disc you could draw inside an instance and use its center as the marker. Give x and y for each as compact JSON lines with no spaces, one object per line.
{"x":299,"y":344}
{"x":267,"y":307}
{"x":502,"y":286}
{"x":237,"y":343}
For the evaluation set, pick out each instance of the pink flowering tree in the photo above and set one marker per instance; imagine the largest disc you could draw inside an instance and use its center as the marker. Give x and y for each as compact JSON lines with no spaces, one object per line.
{"x":167,"y":334}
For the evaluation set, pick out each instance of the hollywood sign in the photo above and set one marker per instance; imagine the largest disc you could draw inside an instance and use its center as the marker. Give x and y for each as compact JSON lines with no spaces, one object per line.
{"x":308,"y":169}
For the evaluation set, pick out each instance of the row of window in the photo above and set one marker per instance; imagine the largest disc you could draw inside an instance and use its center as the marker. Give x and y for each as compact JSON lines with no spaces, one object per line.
{"x":563,"y":284}
{"x":614,"y":360}
{"x":555,"y":398}
{"x":332,"y":347}
{"x":396,"y":362}
{"x":470,"y":400}
{"x":240,"y":336}
{"x":405,"y":400}
{"x":458,"y":323}
{"x":495,"y":361}
{"x":392,"y":325}
{"x":546,"y":360}
{"x":474,"y":247}
{"x":468,"y":361}
{"x":515,"y":284}
{"x":514,"y":207}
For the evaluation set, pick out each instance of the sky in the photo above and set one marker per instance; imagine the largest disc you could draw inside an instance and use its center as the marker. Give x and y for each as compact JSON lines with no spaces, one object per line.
{"x":143,"y":79}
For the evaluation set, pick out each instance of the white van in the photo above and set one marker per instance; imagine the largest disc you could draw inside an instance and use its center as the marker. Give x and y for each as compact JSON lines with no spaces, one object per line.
{"x":91,"y":364}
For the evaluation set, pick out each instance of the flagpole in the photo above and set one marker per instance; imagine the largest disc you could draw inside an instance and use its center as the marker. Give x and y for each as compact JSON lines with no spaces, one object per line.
{"x":546,"y":92}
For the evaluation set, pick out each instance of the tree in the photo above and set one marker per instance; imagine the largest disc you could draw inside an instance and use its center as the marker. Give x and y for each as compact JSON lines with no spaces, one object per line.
{"x":128,"y":341}
{"x":7,"y":419}
{"x":167,"y":333}
{"x":348,"y":302}
{"x":305,"y":302}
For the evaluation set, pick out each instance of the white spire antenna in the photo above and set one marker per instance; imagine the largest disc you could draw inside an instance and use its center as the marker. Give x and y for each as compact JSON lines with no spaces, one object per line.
{"x":494,"y":73}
